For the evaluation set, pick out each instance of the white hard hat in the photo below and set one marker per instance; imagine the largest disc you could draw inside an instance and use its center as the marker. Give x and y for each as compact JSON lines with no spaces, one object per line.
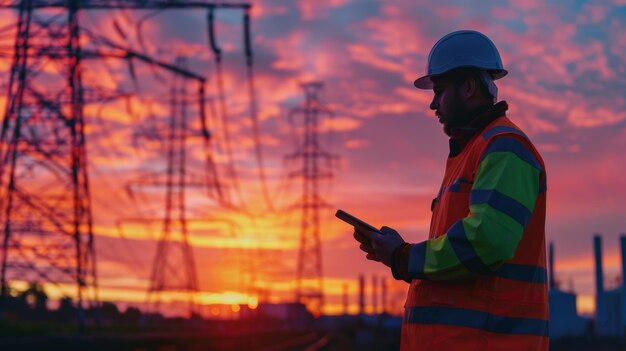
{"x":464,"y":48}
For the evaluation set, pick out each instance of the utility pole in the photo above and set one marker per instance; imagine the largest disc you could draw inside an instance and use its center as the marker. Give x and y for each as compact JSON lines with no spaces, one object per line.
{"x":309,"y":276}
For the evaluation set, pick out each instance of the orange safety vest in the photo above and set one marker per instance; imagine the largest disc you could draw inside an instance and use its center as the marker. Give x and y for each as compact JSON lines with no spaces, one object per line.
{"x":507,"y":310}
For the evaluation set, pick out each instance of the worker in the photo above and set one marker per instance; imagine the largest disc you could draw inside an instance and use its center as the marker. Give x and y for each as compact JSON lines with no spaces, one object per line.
{"x":479,"y":282}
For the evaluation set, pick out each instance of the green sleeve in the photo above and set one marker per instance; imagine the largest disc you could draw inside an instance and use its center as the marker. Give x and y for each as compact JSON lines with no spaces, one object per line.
{"x":502,"y":200}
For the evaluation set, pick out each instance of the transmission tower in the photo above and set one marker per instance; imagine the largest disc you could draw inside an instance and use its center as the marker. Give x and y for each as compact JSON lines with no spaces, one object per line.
{"x":45,"y":204}
{"x":44,"y":187}
{"x":309,"y":277}
{"x":173,"y":267}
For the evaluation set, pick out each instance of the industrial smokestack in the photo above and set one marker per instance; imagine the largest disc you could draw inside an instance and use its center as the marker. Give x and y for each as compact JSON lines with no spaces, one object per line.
{"x":345,"y":298}
{"x":622,"y":240}
{"x":551,"y":265}
{"x":383,"y":284}
{"x":361,"y":294}
{"x":600,"y":310}
{"x":597,"y":246}
{"x":374,"y":294}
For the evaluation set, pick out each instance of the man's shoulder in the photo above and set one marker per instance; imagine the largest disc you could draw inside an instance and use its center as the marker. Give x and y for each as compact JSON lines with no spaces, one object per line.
{"x":502,"y":126}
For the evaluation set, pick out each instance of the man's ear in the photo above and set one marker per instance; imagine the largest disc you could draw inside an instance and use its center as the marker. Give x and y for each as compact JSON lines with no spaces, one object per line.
{"x":469,"y":88}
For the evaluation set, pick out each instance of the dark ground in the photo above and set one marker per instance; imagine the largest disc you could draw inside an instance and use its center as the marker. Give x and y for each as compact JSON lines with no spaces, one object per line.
{"x":588,"y":344}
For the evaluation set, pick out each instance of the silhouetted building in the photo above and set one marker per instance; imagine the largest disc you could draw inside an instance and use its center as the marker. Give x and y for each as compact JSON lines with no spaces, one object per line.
{"x":564,"y":320}
{"x":292,"y":316}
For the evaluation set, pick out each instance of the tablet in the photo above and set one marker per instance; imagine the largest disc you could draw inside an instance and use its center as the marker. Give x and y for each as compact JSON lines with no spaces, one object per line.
{"x":355,"y":222}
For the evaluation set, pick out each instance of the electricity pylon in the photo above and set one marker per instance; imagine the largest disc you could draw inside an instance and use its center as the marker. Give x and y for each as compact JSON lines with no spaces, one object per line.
{"x":45,"y":203}
{"x":309,"y":276}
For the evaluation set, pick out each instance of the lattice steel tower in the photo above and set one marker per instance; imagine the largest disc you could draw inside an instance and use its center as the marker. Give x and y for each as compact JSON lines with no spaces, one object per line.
{"x":45,"y":205}
{"x":309,"y":277}
{"x":173,"y":268}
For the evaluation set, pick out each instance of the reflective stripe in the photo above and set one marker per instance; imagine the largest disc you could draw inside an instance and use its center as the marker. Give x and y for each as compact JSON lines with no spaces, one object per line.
{"x":417,"y":259}
{"x":502,"y":203}
{"x":465,"y":251}
{"x":502,"y":129}
{"x":524,"y":273}
{"x":476,"y":319}
{"x":455,"y":187}
{"x":514,"y":146}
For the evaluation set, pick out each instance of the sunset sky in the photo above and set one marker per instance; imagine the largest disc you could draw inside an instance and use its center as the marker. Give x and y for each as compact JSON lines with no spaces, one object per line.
{"x":567,"y":76}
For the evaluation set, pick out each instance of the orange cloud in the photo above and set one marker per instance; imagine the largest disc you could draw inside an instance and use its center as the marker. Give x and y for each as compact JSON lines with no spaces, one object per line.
{"x":339,"y":124}
{"x":356,"y":143}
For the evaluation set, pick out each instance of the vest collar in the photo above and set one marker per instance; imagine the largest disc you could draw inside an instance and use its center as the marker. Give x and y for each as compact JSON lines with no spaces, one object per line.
{"x":484,"y":115}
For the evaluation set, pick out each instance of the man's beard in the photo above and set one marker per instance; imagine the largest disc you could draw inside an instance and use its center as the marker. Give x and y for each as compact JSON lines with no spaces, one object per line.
{"x":457,"y":118}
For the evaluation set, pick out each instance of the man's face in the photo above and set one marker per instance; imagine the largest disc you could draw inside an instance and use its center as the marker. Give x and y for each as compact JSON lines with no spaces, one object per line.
{"x":448,"y":104}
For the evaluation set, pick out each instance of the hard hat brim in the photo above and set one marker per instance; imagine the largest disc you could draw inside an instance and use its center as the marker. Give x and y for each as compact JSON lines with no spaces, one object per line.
{"x":426,"y":82}
{"x":423,"y":83}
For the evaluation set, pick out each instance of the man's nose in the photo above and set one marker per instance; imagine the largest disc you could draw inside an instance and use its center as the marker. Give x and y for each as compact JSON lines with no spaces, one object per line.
{"x":434,"y":104}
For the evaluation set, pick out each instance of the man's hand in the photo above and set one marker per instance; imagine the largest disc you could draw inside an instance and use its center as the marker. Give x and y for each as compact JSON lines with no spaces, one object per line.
{"x":378,"y":246}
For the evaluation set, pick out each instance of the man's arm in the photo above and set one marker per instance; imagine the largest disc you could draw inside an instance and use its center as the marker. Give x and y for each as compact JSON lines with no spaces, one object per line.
{"x":502,"y":199}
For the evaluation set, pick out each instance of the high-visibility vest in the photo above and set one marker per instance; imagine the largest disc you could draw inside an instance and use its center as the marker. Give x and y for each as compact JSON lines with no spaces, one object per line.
{"x":506,"y":310}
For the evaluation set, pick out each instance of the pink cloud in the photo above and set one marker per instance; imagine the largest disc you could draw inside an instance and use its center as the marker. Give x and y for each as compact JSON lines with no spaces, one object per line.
{"x":369,"y":56}
{"x":355,"y":143}
{"x":400,"y":35}
{"x":447,"y":12}
{"x":594,"y":13}
{"x":267,"y":9}
{"x":586,"y":116}
{"x":316,"y":9}
{"x":288,"y":58}
{"x":526,"y":5}
{"x":504,"y":13}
